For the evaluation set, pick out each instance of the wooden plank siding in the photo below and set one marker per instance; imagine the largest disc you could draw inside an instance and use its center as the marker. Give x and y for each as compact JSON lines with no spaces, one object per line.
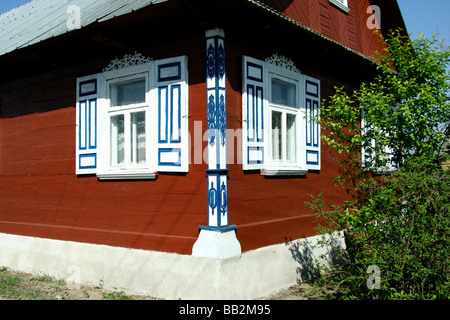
{"x":40,"y":194}
{"x":42,"y":197}
{"x":349,"y":29}
{"x":270,"y":210}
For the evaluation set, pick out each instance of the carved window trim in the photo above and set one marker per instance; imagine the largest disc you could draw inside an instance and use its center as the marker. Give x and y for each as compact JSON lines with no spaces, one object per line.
{"x":282,"y":62}
{"x":127,"y":61}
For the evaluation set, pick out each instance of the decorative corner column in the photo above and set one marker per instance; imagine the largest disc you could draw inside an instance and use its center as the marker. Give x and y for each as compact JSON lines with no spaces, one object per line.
{"x":218,"y":239}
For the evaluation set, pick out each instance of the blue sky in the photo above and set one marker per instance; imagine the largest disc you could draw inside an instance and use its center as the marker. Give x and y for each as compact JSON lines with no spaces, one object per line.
{"x":6,"y":5}
{"x":428,"y":17}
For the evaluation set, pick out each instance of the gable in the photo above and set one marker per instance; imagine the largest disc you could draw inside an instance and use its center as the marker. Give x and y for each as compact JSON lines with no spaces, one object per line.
{"x":347,"y":27}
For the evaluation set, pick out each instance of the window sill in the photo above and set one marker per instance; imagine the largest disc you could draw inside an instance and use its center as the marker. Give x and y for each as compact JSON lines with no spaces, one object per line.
{"x":131,"y":175}
{"x":283,"y":172}
{"x":340,"y":5}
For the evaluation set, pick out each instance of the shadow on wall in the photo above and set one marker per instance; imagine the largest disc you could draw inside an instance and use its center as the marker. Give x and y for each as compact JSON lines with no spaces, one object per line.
{"x":318,"y":254}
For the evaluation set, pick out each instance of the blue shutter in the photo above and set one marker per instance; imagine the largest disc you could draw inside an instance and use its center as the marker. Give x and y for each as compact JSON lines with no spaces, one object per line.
{"x":312,"y":128}
{"x":87,"y":124}
{"x":173,"y":114}
{"x":253,"y":113}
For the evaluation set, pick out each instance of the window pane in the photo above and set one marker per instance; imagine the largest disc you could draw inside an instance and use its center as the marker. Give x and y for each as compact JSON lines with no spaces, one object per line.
{"x":128,"y":93}
{"x":283,"y":93}
{"x":291,"y":149}
{"x":117,"y":140}
{"x":138,"y":139}
{"x":276,"y":135}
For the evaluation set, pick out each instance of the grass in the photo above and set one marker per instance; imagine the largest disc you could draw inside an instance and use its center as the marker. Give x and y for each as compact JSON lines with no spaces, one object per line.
{"x":20,"y":286}
{"x":23,"y":286}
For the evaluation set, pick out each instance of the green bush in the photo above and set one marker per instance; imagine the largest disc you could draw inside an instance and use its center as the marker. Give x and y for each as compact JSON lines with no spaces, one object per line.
{"x":402,"y":231}
{"x":396,"y":223}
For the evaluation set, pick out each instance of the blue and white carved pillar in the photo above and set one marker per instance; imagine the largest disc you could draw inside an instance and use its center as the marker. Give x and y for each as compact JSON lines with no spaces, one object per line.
{"x":218,"y":238}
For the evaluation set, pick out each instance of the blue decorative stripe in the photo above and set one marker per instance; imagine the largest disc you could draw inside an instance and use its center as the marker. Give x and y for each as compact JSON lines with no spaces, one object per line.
{"x":316,"y":154}
{"x":308,"y":123}
{"x":257,"y":67}
{"x":258,"y":149}
{"x":220,"y":62}
{"x":213,"y":198}
{"x":223,"y":199}
{"x":92,"y":124}
{"x":175,"y":139}
{"x":215,"y":59}
{"x":163,"y":131}
{"x":312,"y":132}
{"x":315,"y":86}
{"x":222,"y":118}
{"x":250,"y":109}
{"x":87,"y":156}
{"x":255,"y":108}
{"x":211,"y":62}
{"x":87,"y":125}
{"x":312,"y":127}
{"x":315,"y":125}
{"x":87,"y":88}
{"x":82,"y":125}
{"x":169,"y":163}
{"x":217,"y":126}
{"x":219,"y":229}
{"x":169,"y":67}
{"x":211,"y":119}
{"x":218,"y":198}
{"x":259,"y":110}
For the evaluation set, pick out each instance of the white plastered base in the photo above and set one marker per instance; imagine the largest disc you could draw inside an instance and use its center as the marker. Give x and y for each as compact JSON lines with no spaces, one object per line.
{"x":216,"y":244}
{"x":250,"y":275}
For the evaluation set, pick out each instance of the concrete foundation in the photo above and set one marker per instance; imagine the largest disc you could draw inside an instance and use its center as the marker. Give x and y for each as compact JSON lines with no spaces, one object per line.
{"x":217,"y":244}
{"x":170,"y":276}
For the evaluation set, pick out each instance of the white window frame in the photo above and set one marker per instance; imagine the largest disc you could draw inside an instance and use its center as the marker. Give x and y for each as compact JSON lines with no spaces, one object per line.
{"x":169,"y":113}
{"x":341,"y":4}
{"x":366,"y":157}
{"x":257,"y":102}
{"x":284,"y":168}
{"x":107,"y":171}
{"x":293,"y":78}
{"x":126,"y":111}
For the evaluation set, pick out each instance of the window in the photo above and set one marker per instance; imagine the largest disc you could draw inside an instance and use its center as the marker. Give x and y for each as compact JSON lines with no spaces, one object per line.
{"x":283,"y":109}
{"x":132,"y":121}
{"x":279,"y":103}
{"x":341,"y":4}
{"x":376,"y":155}
{"x":128,"y":109}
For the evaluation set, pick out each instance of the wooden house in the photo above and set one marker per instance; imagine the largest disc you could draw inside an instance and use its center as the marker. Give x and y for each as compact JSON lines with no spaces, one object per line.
{"x":166,"y":146}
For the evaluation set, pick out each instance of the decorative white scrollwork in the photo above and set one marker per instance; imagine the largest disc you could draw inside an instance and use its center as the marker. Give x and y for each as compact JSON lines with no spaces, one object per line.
{"x":127,"y":61}
{"x":283,"y":62}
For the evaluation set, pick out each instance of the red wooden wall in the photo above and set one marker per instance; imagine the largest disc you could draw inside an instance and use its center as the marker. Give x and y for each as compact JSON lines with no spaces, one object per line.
{"x":349,"y":29}
{"x":270,"y":210}
{"x":41,"y":196}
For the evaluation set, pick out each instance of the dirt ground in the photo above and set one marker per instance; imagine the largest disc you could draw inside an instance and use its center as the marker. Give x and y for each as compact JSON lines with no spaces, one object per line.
{"x":296,"y":292}
{"x":302,"y":291}
{"x":32,"y":287}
